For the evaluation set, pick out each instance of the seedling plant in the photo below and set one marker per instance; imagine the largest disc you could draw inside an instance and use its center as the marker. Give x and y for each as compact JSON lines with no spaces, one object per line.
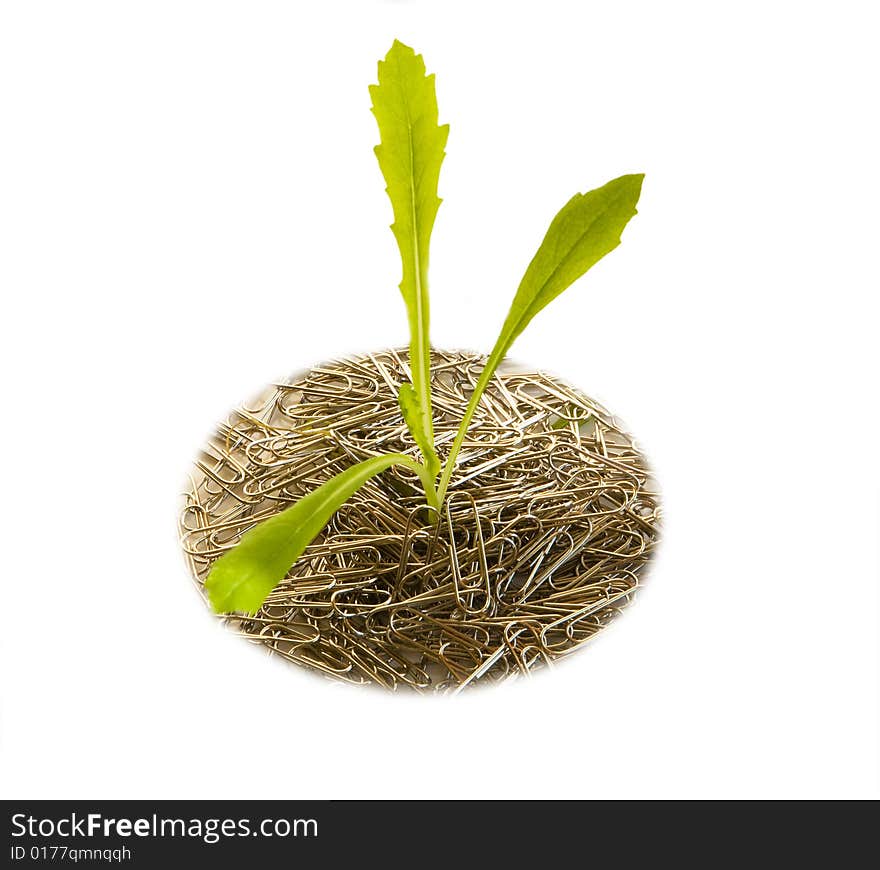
{"x":410,"y":154}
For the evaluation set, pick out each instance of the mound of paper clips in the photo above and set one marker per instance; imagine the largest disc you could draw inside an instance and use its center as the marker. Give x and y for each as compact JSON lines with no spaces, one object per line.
{"x":549,"y":522}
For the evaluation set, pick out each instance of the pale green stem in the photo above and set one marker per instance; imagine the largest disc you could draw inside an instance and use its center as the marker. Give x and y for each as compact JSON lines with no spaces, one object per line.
{"x":427,"y":481}
{"x":485,"y":376}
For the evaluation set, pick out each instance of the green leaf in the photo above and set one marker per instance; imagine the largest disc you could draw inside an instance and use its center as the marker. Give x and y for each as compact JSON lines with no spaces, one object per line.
{"x":241,"y":579}
{"x":570,"y":411}
{"x":410,"y":155}
{"x":586,"y":229}
{"x":409,"y":407}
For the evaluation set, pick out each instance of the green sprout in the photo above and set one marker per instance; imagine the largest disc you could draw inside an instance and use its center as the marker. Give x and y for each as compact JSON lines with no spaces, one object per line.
{"x":410,"y":154}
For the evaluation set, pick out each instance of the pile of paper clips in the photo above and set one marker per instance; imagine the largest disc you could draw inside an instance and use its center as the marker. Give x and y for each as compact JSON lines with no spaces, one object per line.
{"x":548,"y":525}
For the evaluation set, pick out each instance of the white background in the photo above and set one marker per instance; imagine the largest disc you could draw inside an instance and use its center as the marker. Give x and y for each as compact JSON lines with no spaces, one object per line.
{"x":190,"y":208}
